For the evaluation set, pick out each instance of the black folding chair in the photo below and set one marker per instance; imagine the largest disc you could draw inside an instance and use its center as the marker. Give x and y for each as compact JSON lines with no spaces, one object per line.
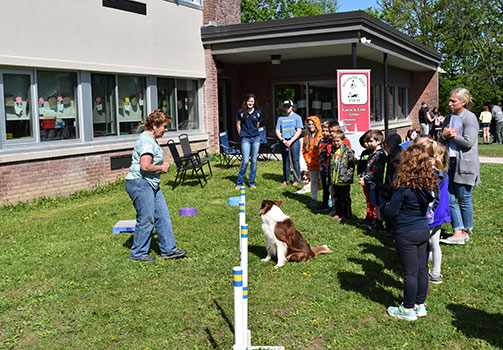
{"x":229,"y":151}
{"x":185,"y":164}
{"x":187,"y":152}
{"x":268,"y":145}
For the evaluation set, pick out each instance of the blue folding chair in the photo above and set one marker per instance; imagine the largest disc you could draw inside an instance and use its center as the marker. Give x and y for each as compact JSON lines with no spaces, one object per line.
{"x":229,"y":150}
{"x":268,"y":146}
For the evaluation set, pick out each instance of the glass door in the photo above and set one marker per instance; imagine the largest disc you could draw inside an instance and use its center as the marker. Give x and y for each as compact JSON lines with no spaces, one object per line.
{"x":16,"y":106}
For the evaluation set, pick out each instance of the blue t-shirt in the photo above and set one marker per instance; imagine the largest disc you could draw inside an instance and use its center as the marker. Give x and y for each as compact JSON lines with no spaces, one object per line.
{"x":146,"y":145}
{"x":288,"y":125}
{"x":249,"y":122}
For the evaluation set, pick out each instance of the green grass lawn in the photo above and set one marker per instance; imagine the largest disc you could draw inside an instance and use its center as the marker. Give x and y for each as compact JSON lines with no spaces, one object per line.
{"x":490,"y":150}
{"x":67,"y":283}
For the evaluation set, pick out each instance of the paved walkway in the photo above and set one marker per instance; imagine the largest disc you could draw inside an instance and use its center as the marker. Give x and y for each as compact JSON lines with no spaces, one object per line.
{"x":491,"y":160}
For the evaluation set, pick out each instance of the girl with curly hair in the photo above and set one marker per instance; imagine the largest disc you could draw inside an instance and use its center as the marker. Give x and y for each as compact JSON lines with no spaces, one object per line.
{"x":408,"y":207}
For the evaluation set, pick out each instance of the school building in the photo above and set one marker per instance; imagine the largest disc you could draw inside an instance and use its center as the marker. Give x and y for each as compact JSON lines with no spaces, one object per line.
{"x":78,"y":78}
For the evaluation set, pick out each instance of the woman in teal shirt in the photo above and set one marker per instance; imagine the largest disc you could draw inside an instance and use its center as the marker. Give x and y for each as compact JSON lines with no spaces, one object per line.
{"x":142,"y":185}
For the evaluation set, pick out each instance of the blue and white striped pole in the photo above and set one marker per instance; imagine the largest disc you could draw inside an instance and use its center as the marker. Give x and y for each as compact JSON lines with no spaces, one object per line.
{"x":239,"y":331}
{"x":243,"y":194}
{"x":244,"y":267}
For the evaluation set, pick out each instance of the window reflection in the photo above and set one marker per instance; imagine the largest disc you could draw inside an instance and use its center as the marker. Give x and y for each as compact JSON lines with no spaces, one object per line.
{"x":132,"y":106}
{"x":103,"y":97}
{"x":17,"y":106}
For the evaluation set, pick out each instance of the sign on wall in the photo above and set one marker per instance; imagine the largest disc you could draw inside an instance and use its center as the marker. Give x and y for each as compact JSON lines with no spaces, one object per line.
{"x":353,"y":94}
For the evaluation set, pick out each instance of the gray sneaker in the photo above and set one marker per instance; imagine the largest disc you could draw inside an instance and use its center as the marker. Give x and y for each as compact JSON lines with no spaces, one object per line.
{"x":436,"y":279}
{"x":177,"y":254}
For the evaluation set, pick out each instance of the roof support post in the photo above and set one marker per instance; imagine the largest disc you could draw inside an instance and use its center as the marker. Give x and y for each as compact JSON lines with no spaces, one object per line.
{"x":353,"y":51}
{"x":386,"y":106}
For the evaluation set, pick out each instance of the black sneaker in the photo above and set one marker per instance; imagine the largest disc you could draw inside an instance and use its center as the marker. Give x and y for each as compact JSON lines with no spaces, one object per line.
{"x":145,"y":258}
{"x":177,"y":254}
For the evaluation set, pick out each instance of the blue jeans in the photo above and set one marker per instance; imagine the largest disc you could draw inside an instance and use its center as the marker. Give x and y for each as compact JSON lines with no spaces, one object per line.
{"x":249,"y":144}
{"x":295,"y":153}
{"x":462,"y":215}
{"x":412,"y":251}
{"x":151,"y":210}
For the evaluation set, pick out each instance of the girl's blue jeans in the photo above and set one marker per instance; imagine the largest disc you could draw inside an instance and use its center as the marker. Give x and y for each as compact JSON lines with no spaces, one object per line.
{"x":249,"y":144}
{"x":151,"y":210}
{"x":462,"y":214}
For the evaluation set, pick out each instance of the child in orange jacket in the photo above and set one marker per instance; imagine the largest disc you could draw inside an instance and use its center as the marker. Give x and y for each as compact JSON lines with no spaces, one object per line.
{"x":311,"y":153}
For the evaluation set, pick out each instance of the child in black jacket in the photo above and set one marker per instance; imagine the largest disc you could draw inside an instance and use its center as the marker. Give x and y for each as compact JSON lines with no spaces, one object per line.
{"x":408,"y":206}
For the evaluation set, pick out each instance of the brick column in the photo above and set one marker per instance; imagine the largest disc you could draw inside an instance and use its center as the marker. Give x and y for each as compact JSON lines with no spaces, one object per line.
{"x":210,"y":100}
{"x":424,"y":88}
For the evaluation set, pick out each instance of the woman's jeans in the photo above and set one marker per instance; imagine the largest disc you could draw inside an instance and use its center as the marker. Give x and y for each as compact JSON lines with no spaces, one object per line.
{"x":151,"y":210}
{"x":462,"y":215}
{"x":412,"y":250}
{"x":295,"y":153}
{"x":249,"y":144}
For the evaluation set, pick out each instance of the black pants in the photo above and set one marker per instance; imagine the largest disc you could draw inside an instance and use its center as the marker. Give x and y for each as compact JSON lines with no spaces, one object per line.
{"x":412,"y":249}
{"x":341,"y":200}
{"x":325,"y":185}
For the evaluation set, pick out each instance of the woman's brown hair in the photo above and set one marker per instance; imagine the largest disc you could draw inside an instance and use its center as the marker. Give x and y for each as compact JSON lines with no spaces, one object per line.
{"x":244,"y":107}
{"x":156,"y":118}
{"x":415,"y":170}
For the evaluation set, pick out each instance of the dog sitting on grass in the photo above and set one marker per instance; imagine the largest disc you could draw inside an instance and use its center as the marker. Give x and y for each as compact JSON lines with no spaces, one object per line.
{"x":282,"y":238}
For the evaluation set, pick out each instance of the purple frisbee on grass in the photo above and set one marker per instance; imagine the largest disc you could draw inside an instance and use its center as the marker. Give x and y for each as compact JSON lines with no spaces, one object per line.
{"x":189,"y":211}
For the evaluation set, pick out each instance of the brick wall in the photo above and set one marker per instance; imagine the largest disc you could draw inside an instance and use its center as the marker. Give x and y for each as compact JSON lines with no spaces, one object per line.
{"x":210,"y":100}
{"x":29,"y":180}
{"x":223,"y":12}
{"x":424,"y":88}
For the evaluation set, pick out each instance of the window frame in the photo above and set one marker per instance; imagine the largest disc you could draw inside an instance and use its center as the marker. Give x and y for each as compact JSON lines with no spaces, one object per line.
{"x":33,"y":115}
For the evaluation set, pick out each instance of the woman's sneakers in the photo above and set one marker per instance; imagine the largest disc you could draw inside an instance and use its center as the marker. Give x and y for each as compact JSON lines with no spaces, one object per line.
{"x":402,"y":313}
{"x":451,"y":240}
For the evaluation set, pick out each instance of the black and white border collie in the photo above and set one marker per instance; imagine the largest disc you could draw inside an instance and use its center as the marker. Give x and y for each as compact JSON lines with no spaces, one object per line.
{"x":282,"y":238}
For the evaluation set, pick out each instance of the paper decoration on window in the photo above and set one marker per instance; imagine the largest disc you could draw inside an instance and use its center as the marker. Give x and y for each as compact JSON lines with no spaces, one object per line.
{"x":18,"y":107}
{"x":99,"y":105}
{"x":301,"y":104}
{"x":140,"y":99}
{"x":60,"y":104}
{"x":127,"y":104}
{"x":41,"y":109}
{"x":316,"y":104}
{"x":326,"y":106}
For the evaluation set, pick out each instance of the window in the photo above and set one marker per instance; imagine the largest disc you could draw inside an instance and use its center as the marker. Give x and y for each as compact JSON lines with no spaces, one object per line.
{"x":132,"y":107}
{"x":402,"y":103}
{"x":295,"y":92}
{"x":376,"y":103}
{"x":17,"y":111}
{"x":187,"y":104}
{"x":57,"y":107}
{"x":103,"y":97}
{"x":167,"y":99}
{"x":323,"y":100}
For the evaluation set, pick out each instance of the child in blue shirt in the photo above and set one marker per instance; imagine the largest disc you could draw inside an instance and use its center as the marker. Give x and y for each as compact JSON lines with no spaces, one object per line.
{"x":288,"y":130}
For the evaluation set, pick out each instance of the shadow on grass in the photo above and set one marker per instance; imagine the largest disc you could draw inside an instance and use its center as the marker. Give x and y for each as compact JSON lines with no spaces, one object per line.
{"x":154,"y":244}
{"x":233,"y":178}
{"x":210,"y":336}
{"x":478,"y":324}
{"x":273,"y":176}
{"x":259,"y":251}
{"x":212,"y":340}
{"x":387,"y":254}
{"x":302,"y":198}
{"x":370,"y":283}
{"x":188,"y":182}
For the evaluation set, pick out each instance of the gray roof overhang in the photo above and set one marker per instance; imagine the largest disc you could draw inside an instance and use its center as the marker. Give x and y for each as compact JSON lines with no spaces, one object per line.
{"x":318,"y":36}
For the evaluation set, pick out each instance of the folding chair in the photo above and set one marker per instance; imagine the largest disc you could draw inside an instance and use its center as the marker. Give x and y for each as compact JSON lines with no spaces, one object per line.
{"x":267,"y":146}
{"x":183,"y":165}
{"x":187,"y":152}
{"x":229,"y":152}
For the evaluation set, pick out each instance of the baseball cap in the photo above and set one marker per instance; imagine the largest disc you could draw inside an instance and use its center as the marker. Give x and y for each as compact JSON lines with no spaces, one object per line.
{"x":287,"y":103}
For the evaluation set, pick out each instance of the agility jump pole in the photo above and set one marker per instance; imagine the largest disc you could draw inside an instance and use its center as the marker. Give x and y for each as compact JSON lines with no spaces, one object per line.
{"x":242,"y":335}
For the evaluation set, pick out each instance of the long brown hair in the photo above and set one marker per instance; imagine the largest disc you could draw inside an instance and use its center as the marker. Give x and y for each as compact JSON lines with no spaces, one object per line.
{"x":244,"y":107}
{"x":415,"y":170}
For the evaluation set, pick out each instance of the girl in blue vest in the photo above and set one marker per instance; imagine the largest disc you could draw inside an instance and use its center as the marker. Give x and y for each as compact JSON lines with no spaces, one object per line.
{"x":248,"y":119}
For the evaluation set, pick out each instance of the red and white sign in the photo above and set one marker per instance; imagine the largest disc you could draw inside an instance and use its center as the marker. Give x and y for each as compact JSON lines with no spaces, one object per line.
{"x":353,"y":94}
